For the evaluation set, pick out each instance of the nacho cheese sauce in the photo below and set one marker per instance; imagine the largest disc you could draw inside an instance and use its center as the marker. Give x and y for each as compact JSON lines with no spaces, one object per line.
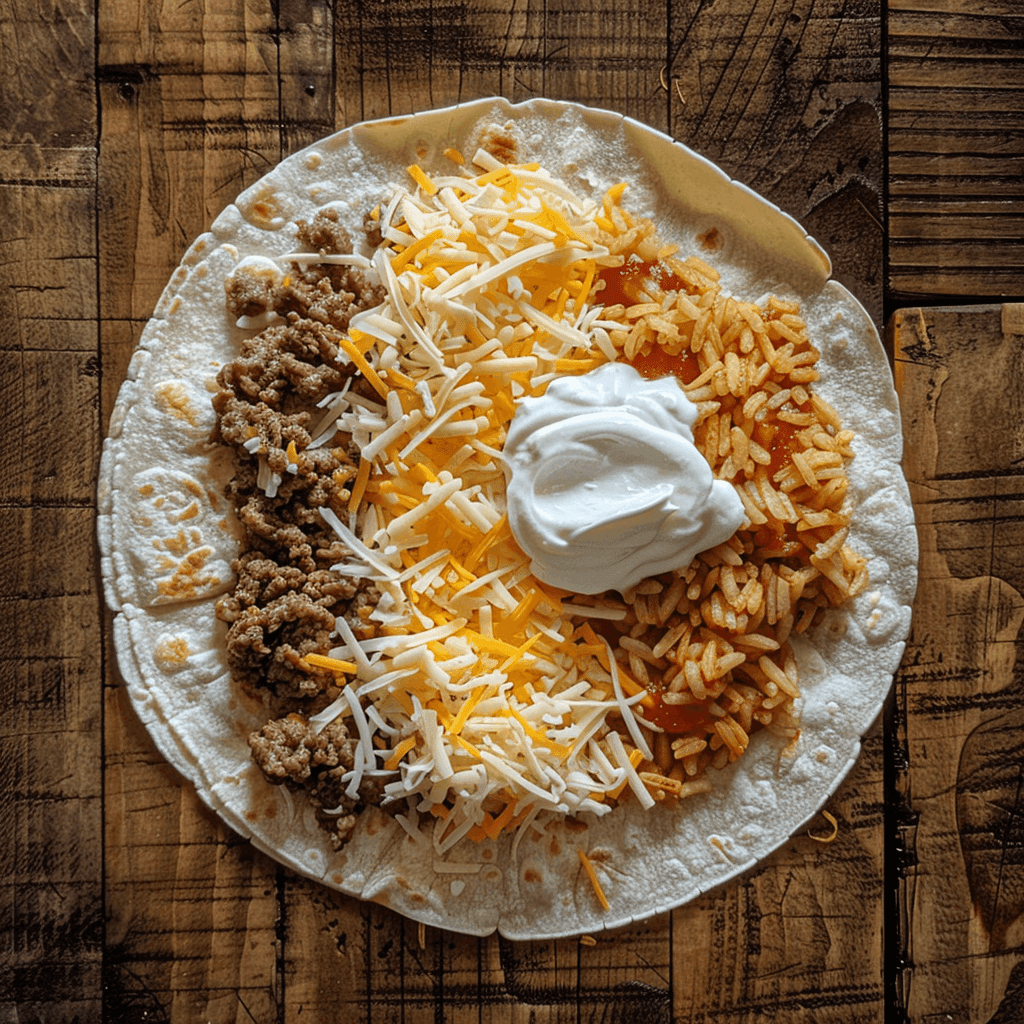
{"x":482,"y":687}
{"x":607,"y":487}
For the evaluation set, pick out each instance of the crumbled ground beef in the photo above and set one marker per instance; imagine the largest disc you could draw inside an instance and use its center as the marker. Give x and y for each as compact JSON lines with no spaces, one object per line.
{"x":287,"y":596}
{"x":325,"y":233}
{"x":290,"y":524}
{"x":328,"y":293}
{"x":279,"y":614}
{"x":290,"y":751}
{"x":298,"y":359}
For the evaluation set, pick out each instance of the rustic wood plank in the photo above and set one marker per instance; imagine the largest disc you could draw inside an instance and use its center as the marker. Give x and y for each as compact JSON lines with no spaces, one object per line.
{"x":956,"y":98}
{"x":400,"y":57}
{"x":191,"y":115}
{"x":51,"y":911}
{"x":978,"y":224}
{"x":305,"y":64}
{"x":960,"y":698}
{"x":192,"y":908}
{"x":625,"y":975}
{"x":786,"y":98}
{"x":49,"y":301}
{"x":325,"y":952}
{"x":376,"y":966}
{"x":800,"y":938}
{"x":607,"y":55}
{"x":51,"y":907}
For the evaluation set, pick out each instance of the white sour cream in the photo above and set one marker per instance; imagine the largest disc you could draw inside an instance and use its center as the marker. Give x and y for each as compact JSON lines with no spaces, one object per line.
{"x":605,"y":486}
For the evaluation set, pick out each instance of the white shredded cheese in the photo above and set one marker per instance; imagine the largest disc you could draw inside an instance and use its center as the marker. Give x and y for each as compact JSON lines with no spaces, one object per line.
{"x":468,"y":665}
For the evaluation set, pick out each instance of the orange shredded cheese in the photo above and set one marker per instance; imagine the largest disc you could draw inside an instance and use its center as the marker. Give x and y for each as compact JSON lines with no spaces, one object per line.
{"x":364,"y":367}
{"x":359,"y":487}
{"x":400,"y":751}
{"x":333,"y":664}
{"x":595,"y":883}
{"x":827,"y":838}
{"x":420,"y":177}
{"x":403,"y":259}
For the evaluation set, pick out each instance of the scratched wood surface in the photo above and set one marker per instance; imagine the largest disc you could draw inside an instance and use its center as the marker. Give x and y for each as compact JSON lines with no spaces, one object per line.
{"x":189,"y":118}
{"x":959,"y":736}
{"x":956,"y":147}
{"x":124,"y":899}
{"x":51,"y":902}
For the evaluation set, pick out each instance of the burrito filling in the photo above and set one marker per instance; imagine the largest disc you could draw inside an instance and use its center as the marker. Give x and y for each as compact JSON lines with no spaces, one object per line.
{"x":533,"y":508}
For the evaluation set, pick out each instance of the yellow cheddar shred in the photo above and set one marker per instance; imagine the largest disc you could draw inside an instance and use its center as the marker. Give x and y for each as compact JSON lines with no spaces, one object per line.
{"x":464,"y":712}
{"x":404,"y":258}
{"x":513,"y":659}
{"x":499,"y":531}
{"x":831,"y":837}
{"x":333,"y":664}
{"x":592,"y":875}
{"x":359,"y":487}
{"x":399,"y":752}
{"x":421,"y":178}
{"x":364,"y":367}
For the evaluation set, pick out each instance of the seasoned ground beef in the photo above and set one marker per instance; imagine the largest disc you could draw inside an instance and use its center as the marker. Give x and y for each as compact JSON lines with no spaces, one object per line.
{"x":325,"y":233}
{"x":279,"y":614}
{"x":298,"y":359}
{"x":329,"y":293}
{"x":290,"y":751}
{"x":287,"y":596}
{"x":289,"y":525}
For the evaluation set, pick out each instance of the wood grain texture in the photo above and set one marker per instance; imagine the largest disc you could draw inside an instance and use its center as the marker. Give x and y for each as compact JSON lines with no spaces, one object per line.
{"x":960,"y":693}
{"x":192,"y":105}
{"x":51,"y":911}
{"x":800,"y":938}
{"x":153,"y":910}
{"x":786,"y":98}
{"x":191,"y":932}
{"x":397,"y":57}
{"x":955,"y":147}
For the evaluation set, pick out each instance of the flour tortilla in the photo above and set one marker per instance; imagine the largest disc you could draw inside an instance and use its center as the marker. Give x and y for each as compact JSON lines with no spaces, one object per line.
{"x":167,"y":537}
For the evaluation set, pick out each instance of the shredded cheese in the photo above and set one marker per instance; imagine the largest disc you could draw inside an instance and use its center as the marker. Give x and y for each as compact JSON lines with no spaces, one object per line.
{"x":333,"y":664}
{"x":831,"y":837}
{"x":479,"y":687}
{"x":595,"y":883}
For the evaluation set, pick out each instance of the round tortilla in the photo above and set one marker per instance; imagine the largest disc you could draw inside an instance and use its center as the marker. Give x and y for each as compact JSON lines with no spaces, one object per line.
{"x":167,"y":537}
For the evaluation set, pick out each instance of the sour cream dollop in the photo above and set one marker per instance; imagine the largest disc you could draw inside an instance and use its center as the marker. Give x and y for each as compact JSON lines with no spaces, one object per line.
{"x":605,"y":486}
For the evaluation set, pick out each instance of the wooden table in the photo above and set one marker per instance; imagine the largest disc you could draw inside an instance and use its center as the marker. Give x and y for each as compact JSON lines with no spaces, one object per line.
{"x":893,"y":134}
